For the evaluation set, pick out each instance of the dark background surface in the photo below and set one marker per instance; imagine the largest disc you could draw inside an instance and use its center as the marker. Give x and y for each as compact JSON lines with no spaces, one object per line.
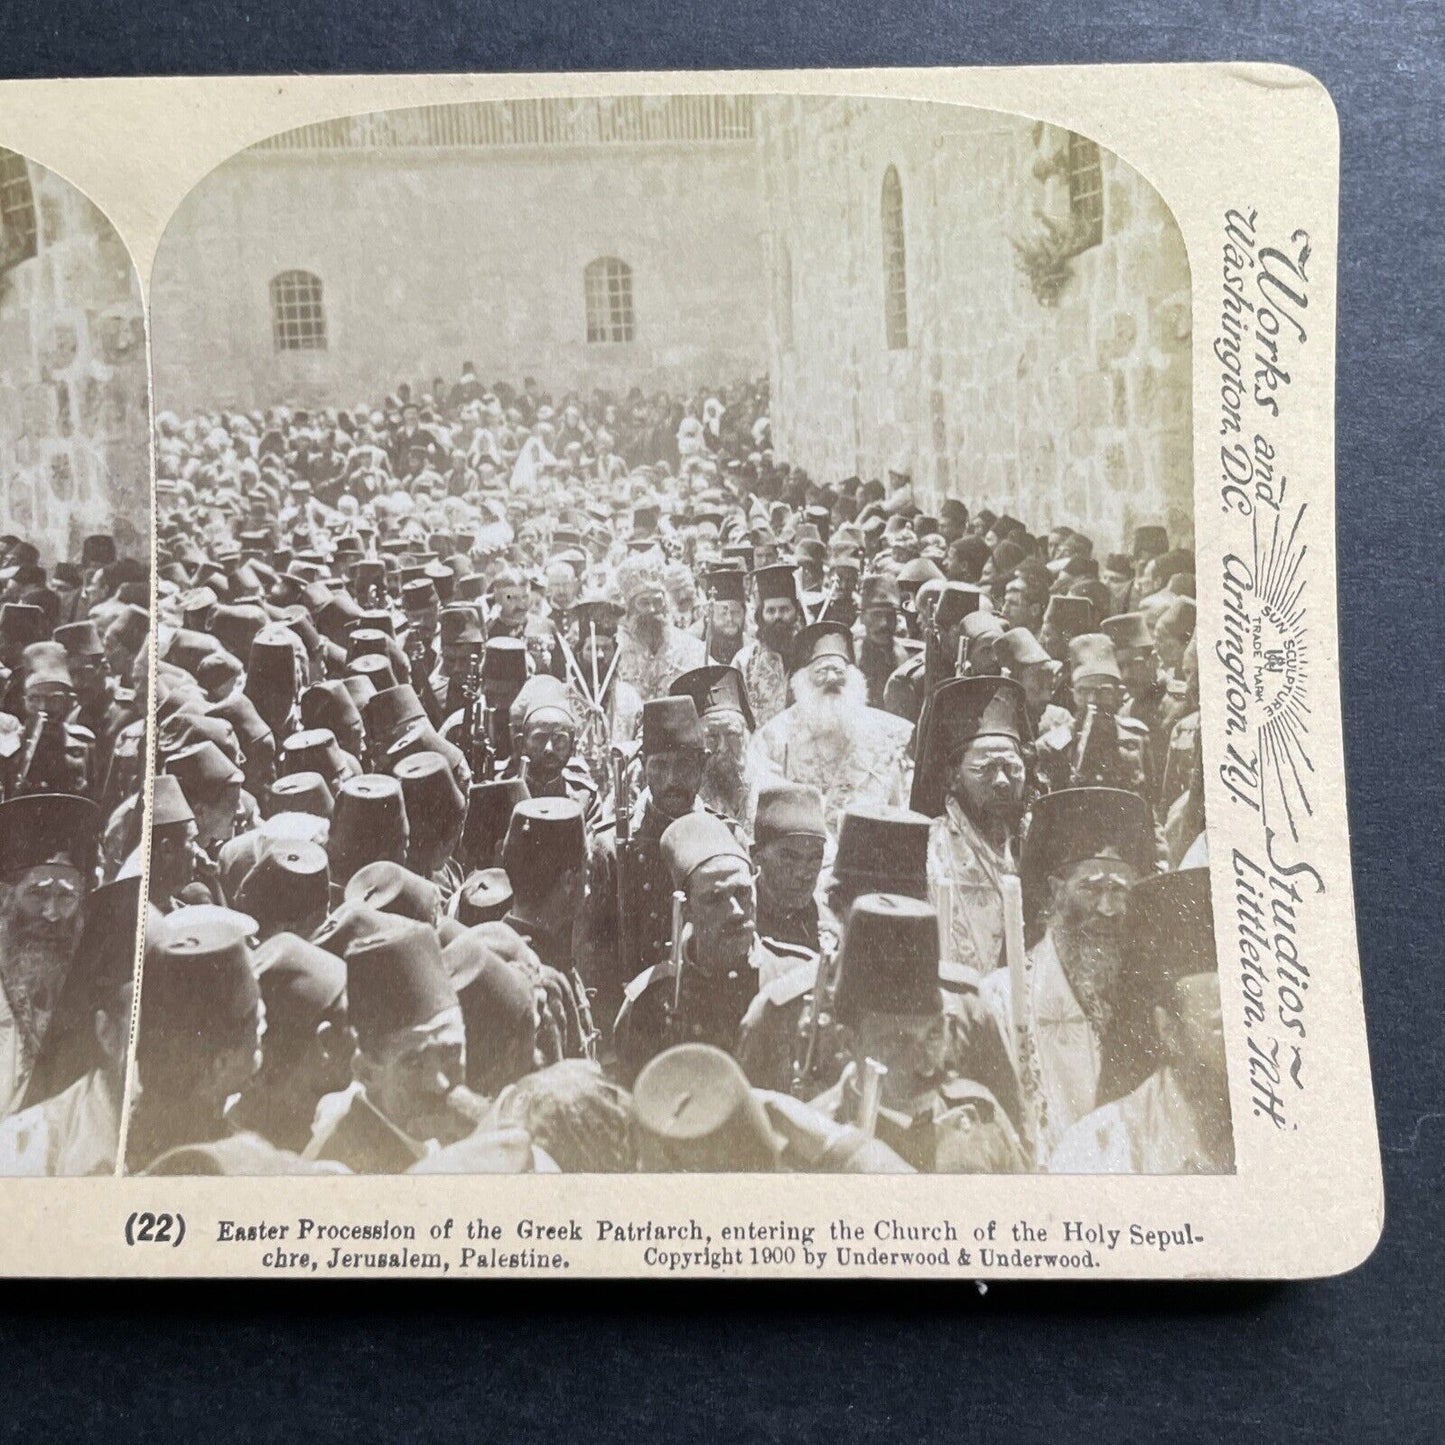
{"x":1359,"y":1357}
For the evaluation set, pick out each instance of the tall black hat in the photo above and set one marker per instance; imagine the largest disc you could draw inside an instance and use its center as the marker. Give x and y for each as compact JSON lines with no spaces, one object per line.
{"x":961,"y":709}
{"x":1075,"y":824}
{"x":715,"y":686}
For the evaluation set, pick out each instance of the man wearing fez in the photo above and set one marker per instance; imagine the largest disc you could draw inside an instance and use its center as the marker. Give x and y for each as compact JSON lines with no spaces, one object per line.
{"x":309,"y":1045}
{"x":459,"y":642}
{"x":410,"y":1065}
{"x":1177,"y":1120}
{"x":890,"y":1007}
{"x":791,"y":1038}
{"x":505,"y":669}
{"x":211,"y":783}
{"x":789,"y":840}
{"x":651,"y":651}
{"x":200,"y":1032}
{"x":1065,"y":618}
{"x":41,"y":750}
{"x":47,"y":866}
{"x":545,"y":858}
{"x":436,"y":812}
{"x":673,"y":753}
{"x":972,"y":781}
{"x":830,"y":738}
{"x":1145,"y":691}
{"x":723,"y":962}
{"x":1086,"y":848}
{"x":70,"y":1124}
{"x":510,"y":603}
{"x":881,"y":653}
{"x":943,"y":609}
{"x":177,"y":862}
{"x":725,"y":623}
{"x":722,"y":705}
{"x":763,"y":662}
{"x":696,"y":1113}
{"x":96,"y":707}
{"x":545,"y":731}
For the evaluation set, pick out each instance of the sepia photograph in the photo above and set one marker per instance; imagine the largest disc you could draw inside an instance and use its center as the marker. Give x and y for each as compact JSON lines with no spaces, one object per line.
{"x":75,"y":598}
{"x":675,"y":650}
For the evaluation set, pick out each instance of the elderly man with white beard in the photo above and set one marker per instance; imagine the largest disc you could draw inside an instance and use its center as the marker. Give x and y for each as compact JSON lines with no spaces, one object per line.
{"x":830,"y":738}
{"x":651,"y":651}
{"x":47,"y":867}
{"x":1085,"y":850}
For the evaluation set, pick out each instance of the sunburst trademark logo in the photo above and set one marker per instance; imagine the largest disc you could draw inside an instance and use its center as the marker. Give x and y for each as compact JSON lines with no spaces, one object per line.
{"x":1279,"y":663}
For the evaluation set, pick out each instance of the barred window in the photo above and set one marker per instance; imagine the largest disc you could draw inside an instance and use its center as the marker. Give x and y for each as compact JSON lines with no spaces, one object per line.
{"x":607,"y":285}
{"x":895,"y":270}
{"x":1086,"y":193}
{"x":298,"y":319}
{"x":17,"y":208}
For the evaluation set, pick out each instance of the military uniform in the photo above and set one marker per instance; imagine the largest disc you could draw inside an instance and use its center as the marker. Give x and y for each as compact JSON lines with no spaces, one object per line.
{"x":904,"y":690}
{"x":711,"y":1007}
{"x":956,"y":1128}
{"x":878,"y":666}
{"x":778,"y":1050}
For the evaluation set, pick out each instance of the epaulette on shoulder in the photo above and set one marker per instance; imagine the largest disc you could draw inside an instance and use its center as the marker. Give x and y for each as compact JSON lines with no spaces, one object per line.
{"x":792,"y":985}
{"x":790,"y":950}
{"x":959,"y":978}
{"x":640,"y":984}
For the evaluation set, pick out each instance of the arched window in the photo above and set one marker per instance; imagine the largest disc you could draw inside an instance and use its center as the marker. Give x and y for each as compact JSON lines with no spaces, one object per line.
{"x":298,"y":319}
{"x":17,"y":210}
{"x":895,"y":269}
{"x":607,"y":288}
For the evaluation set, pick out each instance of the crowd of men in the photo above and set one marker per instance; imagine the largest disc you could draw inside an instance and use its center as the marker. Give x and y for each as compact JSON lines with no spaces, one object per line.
{"x":574,"y":785}
{"x":74,"y":652}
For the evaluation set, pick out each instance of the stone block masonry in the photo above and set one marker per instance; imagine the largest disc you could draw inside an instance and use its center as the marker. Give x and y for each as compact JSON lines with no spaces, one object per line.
{"x":74,"y":390}
{"x":1072,"y":407}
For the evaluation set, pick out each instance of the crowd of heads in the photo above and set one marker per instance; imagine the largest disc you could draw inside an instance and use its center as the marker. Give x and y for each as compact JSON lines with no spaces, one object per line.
{"x":496,"y":733}
{"x":74,"y":651}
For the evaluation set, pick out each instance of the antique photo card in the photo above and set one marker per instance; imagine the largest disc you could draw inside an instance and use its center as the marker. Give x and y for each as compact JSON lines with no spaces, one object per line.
{"x":75,"y":627}
{"x":773,"y":627}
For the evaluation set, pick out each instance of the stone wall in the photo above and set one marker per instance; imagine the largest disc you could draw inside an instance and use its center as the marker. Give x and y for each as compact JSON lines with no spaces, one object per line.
{"x":74,"y":399}
{"x":1077,"y":411}
{"x":431,"y":258}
